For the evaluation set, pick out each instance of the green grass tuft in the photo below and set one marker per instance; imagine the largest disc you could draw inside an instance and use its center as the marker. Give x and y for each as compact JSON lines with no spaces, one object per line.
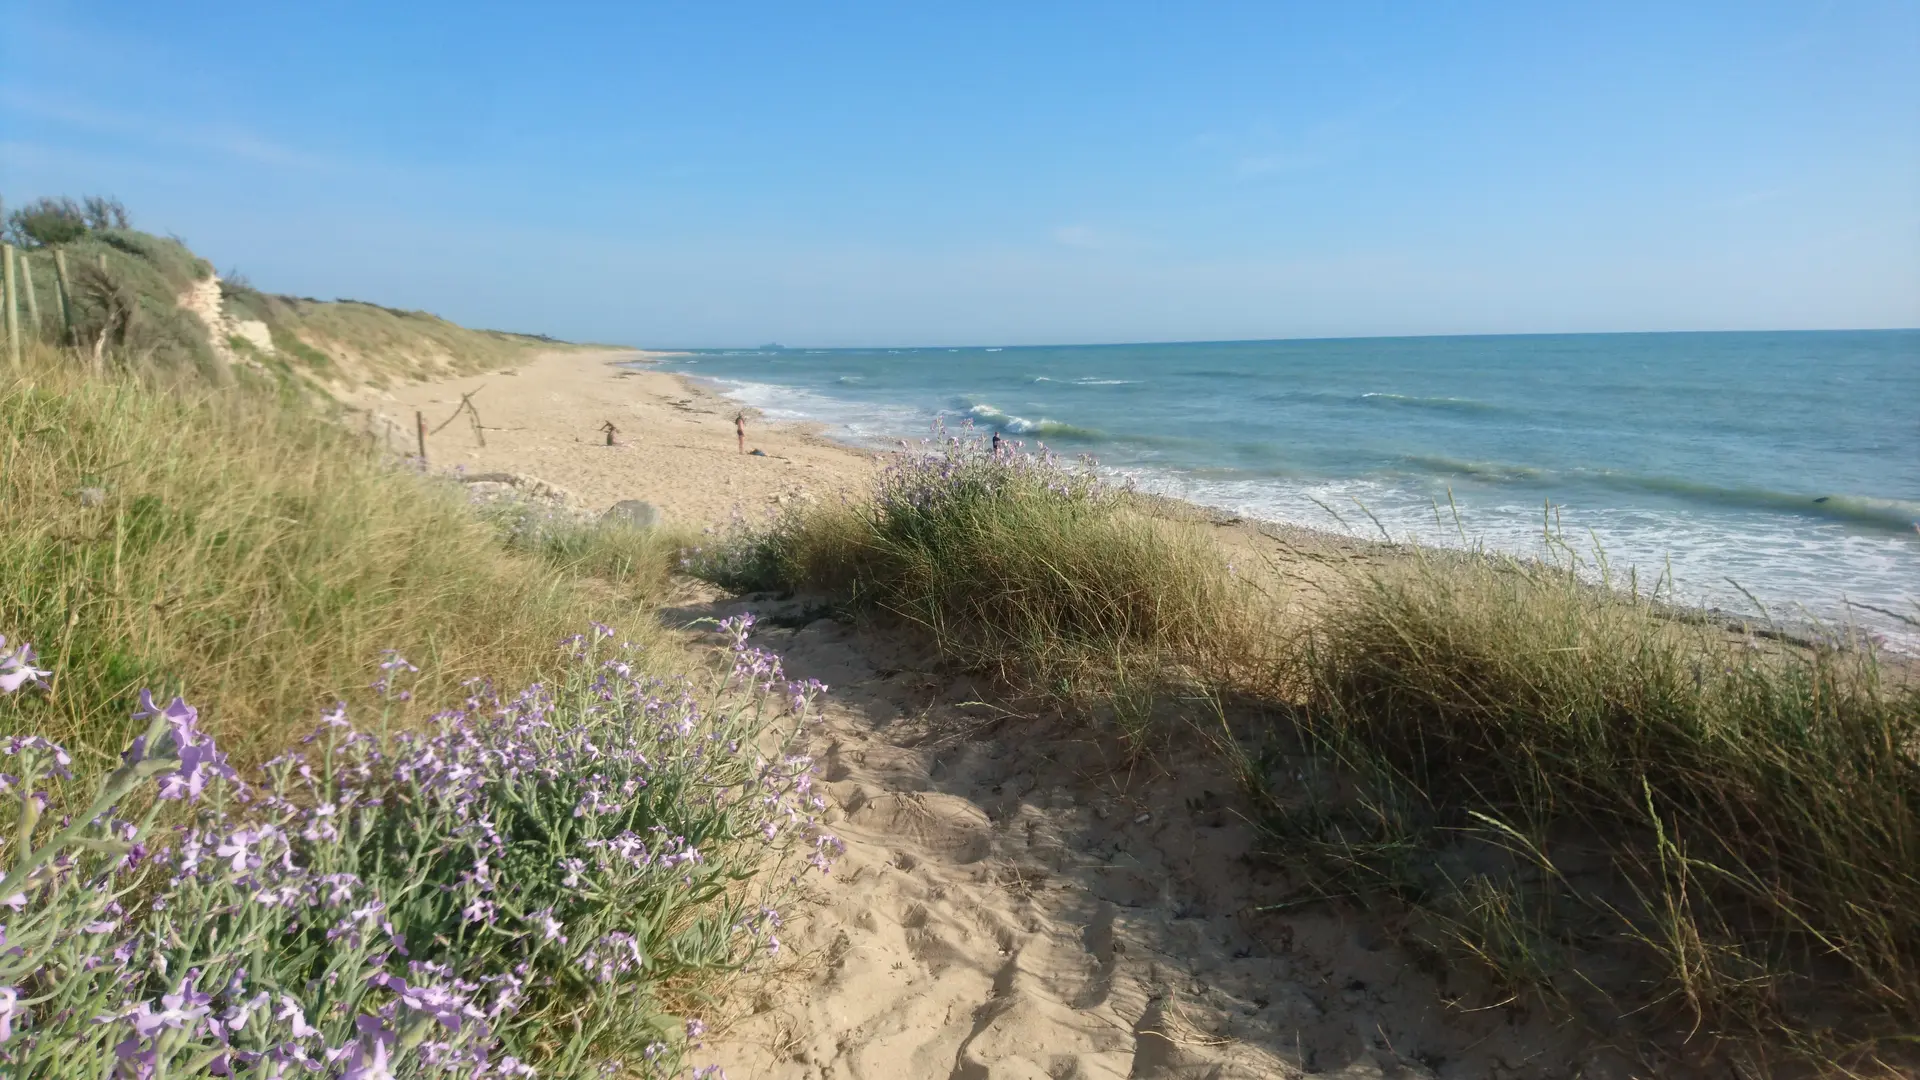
{"x":1011,"y":563}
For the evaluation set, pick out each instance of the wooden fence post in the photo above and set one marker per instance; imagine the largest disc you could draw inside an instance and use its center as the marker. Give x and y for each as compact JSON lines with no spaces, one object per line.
{"x":420,"y":433}
{"x":13,"y":306}
{"x":33,"y":301}
{"x":66,"y":296}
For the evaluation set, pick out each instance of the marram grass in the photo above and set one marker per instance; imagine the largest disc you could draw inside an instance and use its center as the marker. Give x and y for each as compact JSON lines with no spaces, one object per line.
{"x":1552,"y":775}
{"x":1011,"y":562}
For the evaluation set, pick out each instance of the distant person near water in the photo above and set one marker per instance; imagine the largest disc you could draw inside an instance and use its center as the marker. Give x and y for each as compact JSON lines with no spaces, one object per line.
{"x":740,"y":429}
{"x":996,"y":442}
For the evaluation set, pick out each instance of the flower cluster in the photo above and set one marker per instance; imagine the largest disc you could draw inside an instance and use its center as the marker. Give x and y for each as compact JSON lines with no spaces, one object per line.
{"x":426,"y":905}
{"x":947,"y":470}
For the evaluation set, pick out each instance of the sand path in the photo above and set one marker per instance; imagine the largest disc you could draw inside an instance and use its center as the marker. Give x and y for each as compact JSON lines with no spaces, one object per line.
{"x":1020,"y":898}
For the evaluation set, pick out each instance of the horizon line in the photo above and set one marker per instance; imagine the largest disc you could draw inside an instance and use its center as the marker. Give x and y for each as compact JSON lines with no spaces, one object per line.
{"x":775,"y":347}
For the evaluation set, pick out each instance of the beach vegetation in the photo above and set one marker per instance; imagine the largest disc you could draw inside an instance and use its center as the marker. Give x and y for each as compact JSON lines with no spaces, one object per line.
{"x":1015,"y":562}
{"x":1609,"y":805}
{"x":48,"y":221}
{"x":237,"y":542}
{"x":547,"y":882}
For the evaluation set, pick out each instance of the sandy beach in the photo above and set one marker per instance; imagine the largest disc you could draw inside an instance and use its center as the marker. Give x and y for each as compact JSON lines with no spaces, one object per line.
{"x":674,"y":443}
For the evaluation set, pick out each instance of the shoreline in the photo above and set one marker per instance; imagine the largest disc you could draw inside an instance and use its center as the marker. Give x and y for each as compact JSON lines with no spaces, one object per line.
{"x":674,"y":448}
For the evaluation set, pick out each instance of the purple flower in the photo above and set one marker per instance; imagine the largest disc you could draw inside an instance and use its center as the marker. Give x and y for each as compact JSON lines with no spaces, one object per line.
{"x":237,"y":1015}
{"x":181,"y":1008}
{"x":549,"y":926}
{"x":370,"y":1052}
{"x":438,"y":1002}
{"x":21,"y":744}
{"x":17,"y":670}
{"x":289,"y":1011}
{"x":200,"y":760}
{"x":393,"y":665}
{"x":9,"y":1007}
{"x":395,"y":662}
{"x":237,"y":848}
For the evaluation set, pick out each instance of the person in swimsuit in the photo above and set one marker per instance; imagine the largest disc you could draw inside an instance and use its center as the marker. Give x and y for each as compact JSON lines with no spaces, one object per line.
{"x":740,"y":429}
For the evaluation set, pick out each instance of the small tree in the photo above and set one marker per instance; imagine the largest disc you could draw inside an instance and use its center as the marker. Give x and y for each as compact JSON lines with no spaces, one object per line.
{"x":47,"y":221}
{"x":104,"y":212}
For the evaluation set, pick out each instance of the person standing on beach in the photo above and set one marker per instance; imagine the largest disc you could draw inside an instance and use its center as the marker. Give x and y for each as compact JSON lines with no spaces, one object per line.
{"x":740,"y":429}
{"x":996,"y":443}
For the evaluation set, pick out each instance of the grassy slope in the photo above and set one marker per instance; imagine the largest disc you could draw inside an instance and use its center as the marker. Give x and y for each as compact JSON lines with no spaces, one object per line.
{"x":225,"y":538}
{"x":150,"y":271}
{"x":233,"y":542}
{"x":337,"y":343}
{"x":349,"y":342}
{"x":163,"y":530}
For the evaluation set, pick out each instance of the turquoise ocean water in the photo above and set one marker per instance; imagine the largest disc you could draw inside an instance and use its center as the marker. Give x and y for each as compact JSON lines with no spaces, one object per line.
{"x":1786,"y":465}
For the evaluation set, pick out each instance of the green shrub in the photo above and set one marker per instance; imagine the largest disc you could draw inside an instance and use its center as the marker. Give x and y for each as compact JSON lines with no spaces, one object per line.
{"x":46,"y":222}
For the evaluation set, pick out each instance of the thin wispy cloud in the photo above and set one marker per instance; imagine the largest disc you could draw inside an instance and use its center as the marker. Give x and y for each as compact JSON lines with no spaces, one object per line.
{"x":1264,"y":150}
{"x":222,"y":139}
{"x":1748,"y":199}
{"x":1280,"y":163}
{"x":1089,"y":238}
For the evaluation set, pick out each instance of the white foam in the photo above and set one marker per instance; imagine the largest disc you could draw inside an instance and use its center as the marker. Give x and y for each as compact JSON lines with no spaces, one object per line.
{"x":864,"y":423}
{"x":1798,"y":571}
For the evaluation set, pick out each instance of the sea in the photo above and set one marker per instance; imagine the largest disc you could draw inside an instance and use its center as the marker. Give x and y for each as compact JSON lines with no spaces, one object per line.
{"x":1771,"y":475}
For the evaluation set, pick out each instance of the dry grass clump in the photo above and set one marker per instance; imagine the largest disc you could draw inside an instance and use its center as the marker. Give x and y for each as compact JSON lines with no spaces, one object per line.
{"x":1011,"y":562}
{"x":1756,"y":810}
{"x":234,"y":542}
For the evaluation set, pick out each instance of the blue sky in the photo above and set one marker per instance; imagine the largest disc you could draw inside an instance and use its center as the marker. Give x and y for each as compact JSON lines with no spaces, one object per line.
{"x":839,"y":174}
